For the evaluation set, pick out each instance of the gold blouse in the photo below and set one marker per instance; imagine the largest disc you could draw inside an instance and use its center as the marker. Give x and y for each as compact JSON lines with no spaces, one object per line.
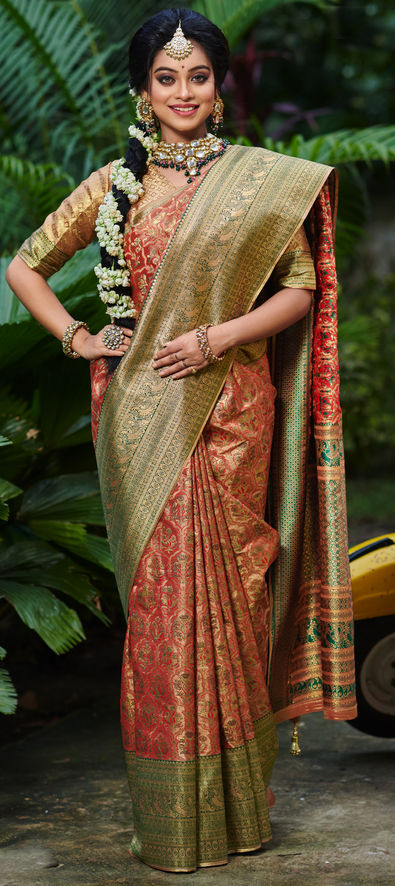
{"x":72,"y":227}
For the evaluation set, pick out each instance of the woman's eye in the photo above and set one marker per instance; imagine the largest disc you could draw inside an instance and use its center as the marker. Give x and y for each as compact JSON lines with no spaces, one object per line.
{"x":165,"y":79}
{"x":201,"y":78}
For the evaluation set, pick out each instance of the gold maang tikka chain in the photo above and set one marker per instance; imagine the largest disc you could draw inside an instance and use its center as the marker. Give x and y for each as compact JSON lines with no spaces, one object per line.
{"x":179,"y":47}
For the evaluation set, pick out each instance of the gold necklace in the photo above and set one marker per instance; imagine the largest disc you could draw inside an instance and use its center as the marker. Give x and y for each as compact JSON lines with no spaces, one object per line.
{"x":189,"y":156}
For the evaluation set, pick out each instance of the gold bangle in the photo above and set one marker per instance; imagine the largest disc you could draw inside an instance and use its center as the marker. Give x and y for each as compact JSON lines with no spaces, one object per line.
{"x":68,"y":338}
{"x":208,"y":354}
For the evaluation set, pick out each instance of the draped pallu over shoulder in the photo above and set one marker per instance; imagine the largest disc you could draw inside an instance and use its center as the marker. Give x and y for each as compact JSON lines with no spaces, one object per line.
{"x":235,"y":228}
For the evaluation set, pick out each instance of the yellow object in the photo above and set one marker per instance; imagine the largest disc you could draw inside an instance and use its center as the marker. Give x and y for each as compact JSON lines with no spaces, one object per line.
{"x":373,"y":577}
{"x":295,"y":749}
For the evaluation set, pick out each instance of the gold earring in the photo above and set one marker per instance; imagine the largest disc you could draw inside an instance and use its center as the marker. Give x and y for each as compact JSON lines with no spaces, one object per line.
{"x":145,"y":113}
{"x":217,"y":114}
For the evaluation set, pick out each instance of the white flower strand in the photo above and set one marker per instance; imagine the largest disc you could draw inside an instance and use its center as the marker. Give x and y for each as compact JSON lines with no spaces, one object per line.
{"x":110,"y":236}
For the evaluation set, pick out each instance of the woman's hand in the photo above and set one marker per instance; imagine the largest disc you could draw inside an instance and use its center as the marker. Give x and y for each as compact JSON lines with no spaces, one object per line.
{"x":182,"y":356}
{"x":92,"y":346}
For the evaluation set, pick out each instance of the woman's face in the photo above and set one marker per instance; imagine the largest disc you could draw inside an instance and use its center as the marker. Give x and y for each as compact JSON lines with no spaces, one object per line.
{"x":182,"y":94}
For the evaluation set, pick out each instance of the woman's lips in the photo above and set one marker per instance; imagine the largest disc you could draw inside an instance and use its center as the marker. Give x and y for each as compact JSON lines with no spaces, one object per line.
{"x":184,"y":110}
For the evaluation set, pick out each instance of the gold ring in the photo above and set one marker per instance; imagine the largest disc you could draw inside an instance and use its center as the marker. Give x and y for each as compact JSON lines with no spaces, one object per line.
{"x":193,"y":370}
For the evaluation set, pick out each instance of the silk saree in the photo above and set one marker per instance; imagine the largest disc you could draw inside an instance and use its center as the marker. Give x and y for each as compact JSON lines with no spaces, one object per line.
{"x":235,"y":617}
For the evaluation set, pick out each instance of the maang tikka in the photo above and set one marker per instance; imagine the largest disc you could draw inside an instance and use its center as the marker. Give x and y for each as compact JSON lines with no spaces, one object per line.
{"x":179,"y":46}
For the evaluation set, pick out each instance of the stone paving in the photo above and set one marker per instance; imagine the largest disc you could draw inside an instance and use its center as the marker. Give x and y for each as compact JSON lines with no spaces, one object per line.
{"x":66,"y":815}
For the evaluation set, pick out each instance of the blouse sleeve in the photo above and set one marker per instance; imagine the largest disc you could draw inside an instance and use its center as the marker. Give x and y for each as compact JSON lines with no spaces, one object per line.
{"x":295,"y":268}
{"x":68,"y":228}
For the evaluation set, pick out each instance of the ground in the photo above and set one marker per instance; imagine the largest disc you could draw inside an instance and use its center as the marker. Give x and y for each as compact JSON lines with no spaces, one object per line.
{"x":67,"y":815}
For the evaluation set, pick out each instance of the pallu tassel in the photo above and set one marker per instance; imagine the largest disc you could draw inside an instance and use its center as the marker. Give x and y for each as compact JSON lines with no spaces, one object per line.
{"x":295,"y":749}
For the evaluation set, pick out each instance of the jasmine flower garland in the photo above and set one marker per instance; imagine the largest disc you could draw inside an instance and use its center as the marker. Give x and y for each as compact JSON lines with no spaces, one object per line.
{"x":110,"y":236}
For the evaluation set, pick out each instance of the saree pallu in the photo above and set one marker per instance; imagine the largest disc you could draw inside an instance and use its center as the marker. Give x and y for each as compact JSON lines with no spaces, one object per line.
{"x":191,"y":554}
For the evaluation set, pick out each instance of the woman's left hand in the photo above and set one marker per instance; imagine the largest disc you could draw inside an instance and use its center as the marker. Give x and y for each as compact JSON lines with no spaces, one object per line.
{"x":180,"y":357}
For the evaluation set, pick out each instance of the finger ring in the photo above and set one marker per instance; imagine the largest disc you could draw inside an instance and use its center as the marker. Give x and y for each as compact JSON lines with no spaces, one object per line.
{"x":112,"y":337}
{"x":193,"y":370}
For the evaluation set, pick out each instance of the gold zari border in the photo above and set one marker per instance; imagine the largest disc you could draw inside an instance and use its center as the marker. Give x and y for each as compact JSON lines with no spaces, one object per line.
{"x":194,"y":814}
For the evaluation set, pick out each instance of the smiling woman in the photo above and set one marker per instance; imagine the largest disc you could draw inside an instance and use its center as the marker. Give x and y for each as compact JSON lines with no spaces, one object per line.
{"x":182,"y":96}
{"x":208,"y":252}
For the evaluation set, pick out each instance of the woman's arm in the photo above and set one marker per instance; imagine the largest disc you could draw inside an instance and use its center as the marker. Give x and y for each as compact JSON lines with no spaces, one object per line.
{"x":277,"y":313}
{"x":34,"y":292}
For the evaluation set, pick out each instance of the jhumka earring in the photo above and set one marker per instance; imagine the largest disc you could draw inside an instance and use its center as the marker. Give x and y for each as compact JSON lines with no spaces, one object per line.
{"x":145,"y":113}
{"x":217,"y":115}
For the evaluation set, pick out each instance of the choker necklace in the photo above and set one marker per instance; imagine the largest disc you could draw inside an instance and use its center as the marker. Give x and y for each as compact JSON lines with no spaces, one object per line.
{"x":190,"y":156}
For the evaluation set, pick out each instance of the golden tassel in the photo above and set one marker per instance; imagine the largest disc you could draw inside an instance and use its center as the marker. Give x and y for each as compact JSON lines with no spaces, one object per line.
{"x":295,"y":749}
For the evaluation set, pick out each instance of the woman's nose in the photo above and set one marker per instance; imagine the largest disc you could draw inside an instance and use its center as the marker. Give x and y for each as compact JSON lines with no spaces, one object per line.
{"x":184,"y":89}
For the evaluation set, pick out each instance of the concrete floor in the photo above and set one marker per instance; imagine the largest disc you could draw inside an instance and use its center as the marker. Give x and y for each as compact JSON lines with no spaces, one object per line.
{"x":66,"y":816}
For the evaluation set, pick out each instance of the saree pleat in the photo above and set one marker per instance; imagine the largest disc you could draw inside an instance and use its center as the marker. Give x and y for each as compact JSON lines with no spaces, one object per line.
{"x":198,"y":730}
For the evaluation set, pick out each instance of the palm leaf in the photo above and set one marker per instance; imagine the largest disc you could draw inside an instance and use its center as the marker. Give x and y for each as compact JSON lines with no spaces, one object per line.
{"x":72,"y":497}
{"x":236,"y":17}
{"x":11,"y":309}
{"x":31,"y":191}
{"x":7,"y":490}
{"x":345,"y":146}
{"x":57,"y":624}
{"x":75,"y":538}
{"x":36,"y":563}
{"x":8,"y":695}
{"x":118,"y":28}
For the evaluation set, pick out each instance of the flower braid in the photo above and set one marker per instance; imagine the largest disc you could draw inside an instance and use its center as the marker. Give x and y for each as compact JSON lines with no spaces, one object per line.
{"x":113,"y":275}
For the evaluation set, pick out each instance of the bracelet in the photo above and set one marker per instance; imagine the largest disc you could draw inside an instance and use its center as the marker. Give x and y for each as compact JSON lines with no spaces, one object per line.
{"x":201,"y":335}
{"x":68,"y":338}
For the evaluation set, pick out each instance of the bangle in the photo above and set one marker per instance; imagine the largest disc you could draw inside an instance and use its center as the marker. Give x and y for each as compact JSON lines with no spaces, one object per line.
{"x":68,"y":338}
{"x":208,"y":354}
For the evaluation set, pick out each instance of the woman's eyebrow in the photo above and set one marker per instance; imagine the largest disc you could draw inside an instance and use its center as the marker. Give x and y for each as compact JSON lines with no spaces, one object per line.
{"x":173,"y":71}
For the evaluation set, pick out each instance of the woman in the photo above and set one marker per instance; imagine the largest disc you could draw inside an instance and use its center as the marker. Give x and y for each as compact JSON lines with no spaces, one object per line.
{"x":206,"y":247}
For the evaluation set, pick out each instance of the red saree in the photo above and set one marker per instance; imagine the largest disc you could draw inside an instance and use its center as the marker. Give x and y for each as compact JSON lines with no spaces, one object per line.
{"x":184,"y":473}
{"x":197,"y":640}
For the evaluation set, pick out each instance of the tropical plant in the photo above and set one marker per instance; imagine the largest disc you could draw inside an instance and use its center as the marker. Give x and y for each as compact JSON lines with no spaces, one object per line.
{"x":52,"y":540}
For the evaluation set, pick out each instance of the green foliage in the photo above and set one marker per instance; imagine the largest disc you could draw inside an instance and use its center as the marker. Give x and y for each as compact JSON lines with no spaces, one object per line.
{"x":236,"y":17}
{"x":8,"y":696}
{"x":367,"y":356}
{"x":52,"y":542}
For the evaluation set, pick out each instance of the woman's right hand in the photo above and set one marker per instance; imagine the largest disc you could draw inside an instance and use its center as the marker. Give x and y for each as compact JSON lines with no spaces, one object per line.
{"x":92,"y":346}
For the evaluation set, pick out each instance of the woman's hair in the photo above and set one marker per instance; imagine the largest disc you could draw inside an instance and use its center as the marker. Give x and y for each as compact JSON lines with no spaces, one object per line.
{"x":147,"y":41}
